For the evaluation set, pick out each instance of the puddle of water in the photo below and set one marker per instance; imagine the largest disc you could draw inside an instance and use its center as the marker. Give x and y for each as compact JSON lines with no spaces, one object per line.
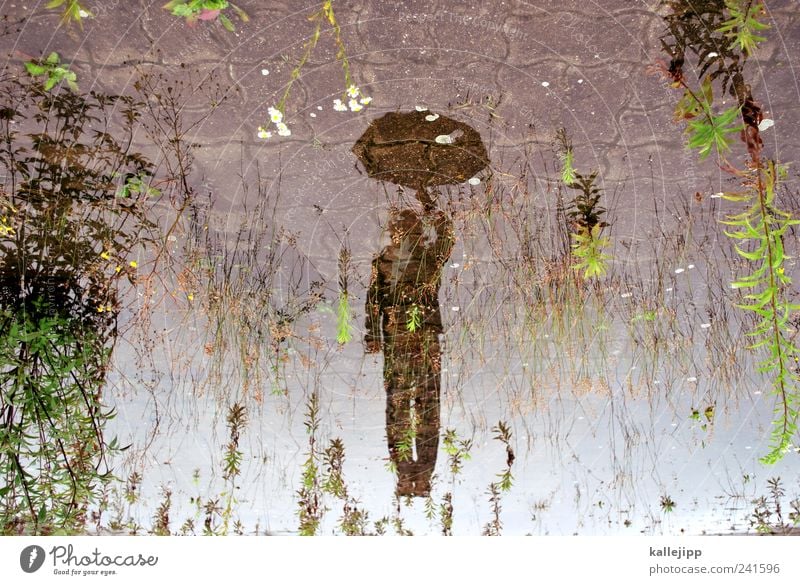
{"x":331,"y":341}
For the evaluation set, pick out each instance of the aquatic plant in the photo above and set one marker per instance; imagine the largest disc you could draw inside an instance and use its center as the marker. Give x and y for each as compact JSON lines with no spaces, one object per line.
{"x":194,"y":10}
{"x":355,"y":98}
{"x":723,"y":35}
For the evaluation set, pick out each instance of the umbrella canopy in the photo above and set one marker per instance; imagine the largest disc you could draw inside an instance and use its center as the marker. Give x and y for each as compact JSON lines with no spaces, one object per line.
{"x":421,"y":149}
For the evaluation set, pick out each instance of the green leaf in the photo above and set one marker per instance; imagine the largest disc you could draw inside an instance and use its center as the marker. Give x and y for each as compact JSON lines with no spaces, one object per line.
{"x":35,"y":69}
{"x":226,"y":22}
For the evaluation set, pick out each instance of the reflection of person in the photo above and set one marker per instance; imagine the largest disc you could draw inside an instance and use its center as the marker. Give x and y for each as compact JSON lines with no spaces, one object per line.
{"x":402,"y":316}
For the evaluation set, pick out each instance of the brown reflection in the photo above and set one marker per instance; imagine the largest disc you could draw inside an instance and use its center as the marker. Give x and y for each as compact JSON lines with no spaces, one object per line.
{"x":403,"y":319}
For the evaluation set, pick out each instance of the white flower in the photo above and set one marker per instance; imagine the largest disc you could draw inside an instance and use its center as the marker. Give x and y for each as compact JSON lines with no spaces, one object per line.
{"x":431,"y":117}
{"x":366,"y":100}
{"x":283,"y":129}
{"x":355,"y":106}
{"x":353,"y":91}
{"x":339,"y":106}
{"x":275,"y":115}
{"x":444,"y":139}
{"x":264,"y":134}
{"x":265,"y":72}
{"x":545,"y":84}
{"x":474,"y":181}
{"x":421,"y":108}
{"x":83,"y":14}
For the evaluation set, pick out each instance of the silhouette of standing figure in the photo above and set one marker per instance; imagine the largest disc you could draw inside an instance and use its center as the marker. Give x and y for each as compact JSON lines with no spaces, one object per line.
{"x":403,"y":319}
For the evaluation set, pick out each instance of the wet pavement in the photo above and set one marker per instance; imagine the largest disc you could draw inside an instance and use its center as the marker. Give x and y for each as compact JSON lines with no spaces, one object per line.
{"x":599,"y":389}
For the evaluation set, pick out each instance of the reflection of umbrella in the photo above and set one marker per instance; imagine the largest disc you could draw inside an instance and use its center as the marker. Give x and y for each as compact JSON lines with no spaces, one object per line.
{"x":421,"y":149}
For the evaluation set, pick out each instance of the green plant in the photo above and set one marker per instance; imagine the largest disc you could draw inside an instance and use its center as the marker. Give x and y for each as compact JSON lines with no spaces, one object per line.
{"x":744,"y":24}
{"x":138,"y":185}
{"x":344,"y":326}
{"x":767,"y":516}
{"x":58,"y":293}
{"x":51,"y":436}
{"x":310,"y":493}
{"x":354,"y":519}
{"x":457,"y":451}
{"x":73,"y":10}
{"x":414,"y":318}
{"x":723,"y":34}
{"x":707,"y":131}
{"x":567,"y":157}
{"x":588,"y":242}
{"x":667,"y":504}
{"x":194,"y":10}
{"x":232,"y":461}
{"x":53,"y":71}
{"x":502,"y":434}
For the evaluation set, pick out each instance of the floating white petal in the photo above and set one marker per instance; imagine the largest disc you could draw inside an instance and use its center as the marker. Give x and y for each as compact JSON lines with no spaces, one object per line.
{"x":765,"y":124}
{"x":432,"y":117}
{"x":474,"y":181}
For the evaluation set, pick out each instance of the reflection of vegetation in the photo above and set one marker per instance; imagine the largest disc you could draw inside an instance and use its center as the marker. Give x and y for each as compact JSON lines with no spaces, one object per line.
{"x":344,"y":328}
{"x":722,"y":36}
{"x":355,"y":99}
{"x":767,"y":516}
{"x":496,"y":488}
{"x":63,"y":249}
{"x":309,"y":496}
{"x":667,"y":504}
{"x":232,"y":461}
{"x":588,"y":243}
